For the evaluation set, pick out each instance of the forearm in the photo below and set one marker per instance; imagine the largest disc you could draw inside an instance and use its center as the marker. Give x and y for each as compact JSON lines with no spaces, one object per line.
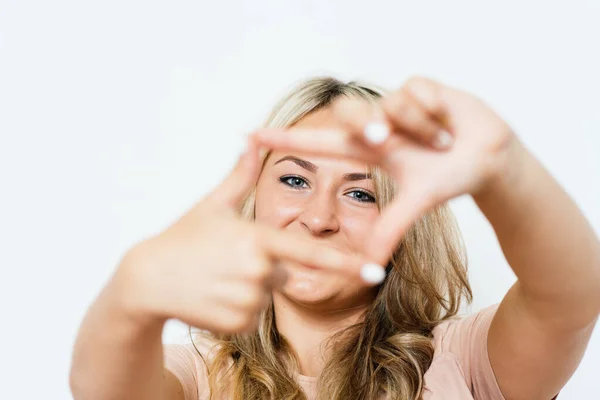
{"x":546,"y":240}
{"x":115,"y":356}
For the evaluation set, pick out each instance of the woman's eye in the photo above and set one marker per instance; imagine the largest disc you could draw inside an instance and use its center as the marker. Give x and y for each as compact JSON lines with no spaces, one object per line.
{"x":294,"y":181}
{"x":361,"y":196}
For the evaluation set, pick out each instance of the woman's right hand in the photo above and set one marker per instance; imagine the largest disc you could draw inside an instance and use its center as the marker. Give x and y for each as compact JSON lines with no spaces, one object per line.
{"x":211,"y":269}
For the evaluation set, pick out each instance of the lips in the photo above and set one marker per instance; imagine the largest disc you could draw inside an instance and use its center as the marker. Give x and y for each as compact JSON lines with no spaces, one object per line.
{"x":302,"y":266}
{"x":311,"y":266}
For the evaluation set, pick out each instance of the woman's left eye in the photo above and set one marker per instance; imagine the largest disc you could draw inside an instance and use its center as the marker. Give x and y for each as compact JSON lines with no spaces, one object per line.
{"x":361,"y":196}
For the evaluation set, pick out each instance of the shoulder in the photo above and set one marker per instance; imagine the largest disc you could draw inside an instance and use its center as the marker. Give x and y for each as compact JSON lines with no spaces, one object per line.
{"x":188,"y":362}
{"x":460,"y":350}
{"x":457,"y":333}
{"x":202,"y":348}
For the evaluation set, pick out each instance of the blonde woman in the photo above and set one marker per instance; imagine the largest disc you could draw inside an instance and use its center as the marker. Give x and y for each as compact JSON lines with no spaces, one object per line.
{"x":281,"y":266}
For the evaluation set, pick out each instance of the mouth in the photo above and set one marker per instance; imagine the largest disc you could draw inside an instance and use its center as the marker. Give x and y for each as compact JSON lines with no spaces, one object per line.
{"x":310,"y":266}
{"x":302,"y":266}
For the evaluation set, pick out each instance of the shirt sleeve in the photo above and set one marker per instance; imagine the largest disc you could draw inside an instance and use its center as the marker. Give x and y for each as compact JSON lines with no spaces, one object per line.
{"x":467,"y":340}
{"x":182,"y":362}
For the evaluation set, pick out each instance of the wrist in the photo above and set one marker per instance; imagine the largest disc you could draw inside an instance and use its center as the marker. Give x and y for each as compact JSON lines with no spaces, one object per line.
{"x":509,"y":198}
{"x":507,"y":173}
{"x":130,"y":290}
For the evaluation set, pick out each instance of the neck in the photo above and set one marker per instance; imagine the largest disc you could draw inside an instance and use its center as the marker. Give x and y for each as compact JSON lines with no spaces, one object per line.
{"x":308,"y":327}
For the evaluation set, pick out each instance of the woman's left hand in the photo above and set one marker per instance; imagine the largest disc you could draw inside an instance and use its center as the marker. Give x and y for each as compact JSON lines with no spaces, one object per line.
{"x":443,"y":143}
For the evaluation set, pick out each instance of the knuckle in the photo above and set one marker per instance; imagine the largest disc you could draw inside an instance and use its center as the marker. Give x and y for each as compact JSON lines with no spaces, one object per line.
{"x":250,"y":247}
{"x":240,"y":321}
{"x":426,"y":92}
{"x":399,"y":107}
{"x":429,"y":129}
{"x":401,"y":104}
{"x":254,"y":300}
{"x":248,"y":298}
{"x":254,"y":238}
{"x":249,"y":241}
{"x":259,"y":272}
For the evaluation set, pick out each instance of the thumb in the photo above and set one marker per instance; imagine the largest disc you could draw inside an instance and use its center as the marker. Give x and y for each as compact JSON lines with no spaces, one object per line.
{"x":241,"y":180}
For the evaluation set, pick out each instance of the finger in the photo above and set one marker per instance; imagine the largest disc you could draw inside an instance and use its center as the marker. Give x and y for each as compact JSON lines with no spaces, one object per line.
{"x":221,"y":318}
{"x":247,"y":296}
{"x":364,"y":121}
{"x":406,"y":115}
{"x":313,"y":254}
{"x":395,"y":220}
{"x":238,"y":184}
{"x":279,"y":277}
{"x":329,"y":142}
{"x":368,"y":124}
{"x":431,"y":96}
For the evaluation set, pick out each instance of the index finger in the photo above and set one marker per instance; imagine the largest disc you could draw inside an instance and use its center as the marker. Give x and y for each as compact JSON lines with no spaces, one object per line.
{"x":368,"y":123}
{"x":313,"y":254}
{"x":320,"y":142}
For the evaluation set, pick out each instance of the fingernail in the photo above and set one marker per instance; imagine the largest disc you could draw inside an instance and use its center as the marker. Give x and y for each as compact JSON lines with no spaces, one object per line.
{"x":372,"y":273}
{"x":443,"y":140}
{"x":376,"y":132}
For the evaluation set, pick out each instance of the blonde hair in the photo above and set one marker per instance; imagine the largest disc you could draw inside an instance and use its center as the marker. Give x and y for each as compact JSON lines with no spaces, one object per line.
{"x":390,"y":349}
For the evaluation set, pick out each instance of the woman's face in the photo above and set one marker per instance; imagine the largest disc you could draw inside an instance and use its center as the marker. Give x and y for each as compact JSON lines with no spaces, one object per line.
{"x":329,"y":199}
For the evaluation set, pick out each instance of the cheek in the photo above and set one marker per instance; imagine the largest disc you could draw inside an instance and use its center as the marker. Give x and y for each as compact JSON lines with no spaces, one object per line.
{"x":277,"y":215}
{"x":275,"y":209}
{"x":358,"y":227}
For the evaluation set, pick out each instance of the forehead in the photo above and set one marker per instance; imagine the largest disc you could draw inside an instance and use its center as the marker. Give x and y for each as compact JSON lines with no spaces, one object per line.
{"x":324,"y":118}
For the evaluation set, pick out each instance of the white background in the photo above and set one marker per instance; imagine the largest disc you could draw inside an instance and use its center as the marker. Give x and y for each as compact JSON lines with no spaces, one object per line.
{"x":116,"y":116}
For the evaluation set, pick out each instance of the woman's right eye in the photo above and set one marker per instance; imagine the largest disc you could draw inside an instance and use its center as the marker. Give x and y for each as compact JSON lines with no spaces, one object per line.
{"x":294,"y":182}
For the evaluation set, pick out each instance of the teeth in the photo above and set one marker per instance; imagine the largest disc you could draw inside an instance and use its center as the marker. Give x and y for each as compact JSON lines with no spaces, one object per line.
{"x":372,"y":273}
{"x":376,"y":132}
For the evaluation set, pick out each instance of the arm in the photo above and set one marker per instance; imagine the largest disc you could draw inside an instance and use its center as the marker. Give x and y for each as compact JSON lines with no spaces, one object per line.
{"x":117,"y":356}
{"x":543,"y":325}
{"x":541,"y":329}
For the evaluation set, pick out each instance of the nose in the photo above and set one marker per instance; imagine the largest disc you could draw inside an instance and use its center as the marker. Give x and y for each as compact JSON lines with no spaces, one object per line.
{"x":319,"y":215}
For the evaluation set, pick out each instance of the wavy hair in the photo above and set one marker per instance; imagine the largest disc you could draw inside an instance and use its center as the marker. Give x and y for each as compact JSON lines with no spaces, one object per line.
{"x":388,"y":351}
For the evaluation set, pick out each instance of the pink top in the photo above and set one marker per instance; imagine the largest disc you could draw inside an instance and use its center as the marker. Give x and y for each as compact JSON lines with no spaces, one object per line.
{"x":460,"y":368}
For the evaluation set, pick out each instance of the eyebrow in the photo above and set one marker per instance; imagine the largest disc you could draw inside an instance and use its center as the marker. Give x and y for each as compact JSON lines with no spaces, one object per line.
{"x":355,"y":176}
{"x":302,"y":163}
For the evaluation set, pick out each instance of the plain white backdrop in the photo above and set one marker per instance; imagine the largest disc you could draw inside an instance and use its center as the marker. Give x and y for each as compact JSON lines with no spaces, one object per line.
{"x":117,"y":116}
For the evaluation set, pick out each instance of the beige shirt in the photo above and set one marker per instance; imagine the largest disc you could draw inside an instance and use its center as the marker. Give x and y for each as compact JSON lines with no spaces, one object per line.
{"x":460,"y":369}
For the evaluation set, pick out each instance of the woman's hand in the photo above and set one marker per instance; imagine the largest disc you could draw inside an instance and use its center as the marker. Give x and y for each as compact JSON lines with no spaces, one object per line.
{"x":443,"y":143}
{"x":213,"y":270}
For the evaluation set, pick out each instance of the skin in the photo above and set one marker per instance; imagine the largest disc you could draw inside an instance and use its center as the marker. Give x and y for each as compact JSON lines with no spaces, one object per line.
{"x":214,"y":271}
{"x":322,"y":204}
{"x":209,"y":269}
{"x":545,"y":321}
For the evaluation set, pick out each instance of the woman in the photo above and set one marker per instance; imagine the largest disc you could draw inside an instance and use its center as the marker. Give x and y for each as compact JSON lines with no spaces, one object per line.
{"x":290,"y":295}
